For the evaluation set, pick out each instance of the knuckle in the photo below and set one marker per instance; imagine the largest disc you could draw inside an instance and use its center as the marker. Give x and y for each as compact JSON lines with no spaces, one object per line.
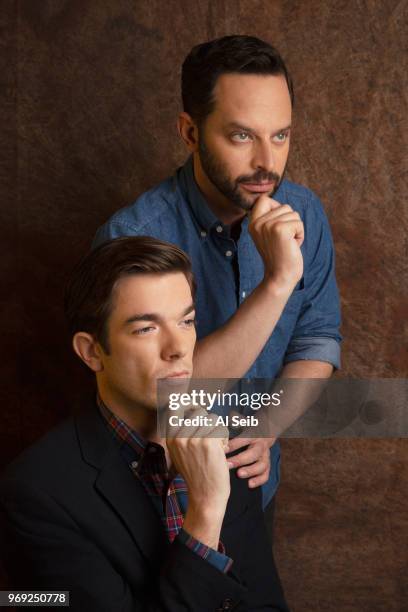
{"x":255,"y":226}
{"x":279,"y":228}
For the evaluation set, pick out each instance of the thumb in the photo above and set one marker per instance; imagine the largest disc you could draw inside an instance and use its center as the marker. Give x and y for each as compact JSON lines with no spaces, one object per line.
{"x":262,"y":206}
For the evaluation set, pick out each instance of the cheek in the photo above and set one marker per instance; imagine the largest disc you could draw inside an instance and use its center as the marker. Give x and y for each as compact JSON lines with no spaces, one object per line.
{"x":283,"y":154}
{"x":192,"y":346}
{"x":136,"y":356}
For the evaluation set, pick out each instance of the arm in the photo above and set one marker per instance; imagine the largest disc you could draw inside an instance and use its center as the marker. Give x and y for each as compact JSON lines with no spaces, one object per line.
{"x":45,"y":550}
{"x":230,"y":351}
{"x":254,"y":462}
{"x":307,"y":369}
{"x":313,"y":351}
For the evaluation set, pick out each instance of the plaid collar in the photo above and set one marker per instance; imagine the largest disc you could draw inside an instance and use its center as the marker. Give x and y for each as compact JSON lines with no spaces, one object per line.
{"x":125,"y":434}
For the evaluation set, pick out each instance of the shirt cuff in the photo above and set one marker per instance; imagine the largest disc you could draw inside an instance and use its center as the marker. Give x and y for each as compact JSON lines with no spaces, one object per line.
{"x":217,"y":558}
{"x":317,"y":348}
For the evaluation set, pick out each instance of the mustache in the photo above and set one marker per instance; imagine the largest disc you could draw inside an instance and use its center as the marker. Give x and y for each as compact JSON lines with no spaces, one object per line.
{"x":260,"y":177}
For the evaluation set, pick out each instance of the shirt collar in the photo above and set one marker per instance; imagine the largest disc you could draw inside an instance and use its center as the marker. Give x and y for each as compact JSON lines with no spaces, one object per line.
{"x":192,"y":194}
{"x":203,"y":214}
{"x":121,"y":431}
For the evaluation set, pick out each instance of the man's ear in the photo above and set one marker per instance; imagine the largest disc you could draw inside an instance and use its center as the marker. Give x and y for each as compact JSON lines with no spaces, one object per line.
{"x":88,"y":349}
{"x":188,"y":131}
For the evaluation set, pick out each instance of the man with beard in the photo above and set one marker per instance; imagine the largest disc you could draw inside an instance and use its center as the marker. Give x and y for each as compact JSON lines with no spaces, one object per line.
{"x":267,"y":299}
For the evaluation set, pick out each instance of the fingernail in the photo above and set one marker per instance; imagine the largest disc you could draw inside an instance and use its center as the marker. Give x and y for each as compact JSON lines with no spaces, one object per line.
{"x":243,"y":473}
{"x":230,"y":465}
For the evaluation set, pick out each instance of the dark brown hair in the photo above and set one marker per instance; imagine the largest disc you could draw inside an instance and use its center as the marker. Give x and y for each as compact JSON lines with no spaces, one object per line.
{"x":230,"y":54}
{"x":88,"y":294}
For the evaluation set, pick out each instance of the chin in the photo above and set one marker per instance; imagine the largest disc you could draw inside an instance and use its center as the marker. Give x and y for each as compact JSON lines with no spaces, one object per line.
{"x":245,"y":204}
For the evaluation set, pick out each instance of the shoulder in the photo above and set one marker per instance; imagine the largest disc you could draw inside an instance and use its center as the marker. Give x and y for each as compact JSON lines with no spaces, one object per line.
{"x":154,"y":210}
{"x":45,"y":460}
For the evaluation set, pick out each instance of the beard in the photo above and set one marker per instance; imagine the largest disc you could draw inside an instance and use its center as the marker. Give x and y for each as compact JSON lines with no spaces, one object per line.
{"x":217,"y":174}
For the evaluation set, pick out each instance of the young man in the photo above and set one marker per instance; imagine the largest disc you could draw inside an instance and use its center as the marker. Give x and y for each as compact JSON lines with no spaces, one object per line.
{"x":104,"y":508}
{"x":267,"y":299}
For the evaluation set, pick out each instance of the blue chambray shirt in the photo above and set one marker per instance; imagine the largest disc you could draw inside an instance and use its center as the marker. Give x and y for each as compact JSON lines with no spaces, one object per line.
{"x":176,"y":210}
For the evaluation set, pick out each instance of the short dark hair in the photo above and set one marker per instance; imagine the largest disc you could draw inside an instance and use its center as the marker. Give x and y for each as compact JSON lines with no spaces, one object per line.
{"x":229,"y":54}
{"x":88,"y":294}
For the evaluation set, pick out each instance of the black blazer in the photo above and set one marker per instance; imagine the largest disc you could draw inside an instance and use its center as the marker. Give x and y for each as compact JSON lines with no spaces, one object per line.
{"x":75,"y":518}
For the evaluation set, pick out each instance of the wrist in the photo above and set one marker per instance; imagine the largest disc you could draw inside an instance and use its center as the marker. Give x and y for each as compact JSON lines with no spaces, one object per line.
{"x":277,"y":288}
{"x":207,"y":513}
{"x":204,"y":525}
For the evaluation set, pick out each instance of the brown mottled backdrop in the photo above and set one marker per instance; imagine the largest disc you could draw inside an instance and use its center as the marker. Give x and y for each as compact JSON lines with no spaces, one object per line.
{"x":90,"y":96}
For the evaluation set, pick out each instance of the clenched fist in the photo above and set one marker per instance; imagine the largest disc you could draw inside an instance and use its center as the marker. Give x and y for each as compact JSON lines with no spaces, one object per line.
{"x":198,"y":454}
{"x":278,"y":234}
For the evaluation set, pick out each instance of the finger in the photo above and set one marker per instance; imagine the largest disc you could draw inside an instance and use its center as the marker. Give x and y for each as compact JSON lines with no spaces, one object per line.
{"x":263,"y":205}
{"x":239,"y":442}
{"x":255,"y":469}
{"x":258,"y":480}
{"x":274,"y":214}
{"x":251,"y":454}
{"x":291,"y":228}
{"x":183,"y":412}
{"x":278,"y":216}
{"x":211,"y":430}
{"x":206,"y":428}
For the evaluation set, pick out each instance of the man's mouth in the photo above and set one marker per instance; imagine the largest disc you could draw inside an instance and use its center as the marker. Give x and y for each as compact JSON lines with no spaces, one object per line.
{"x":180,"y":374}
{"x":258,"y":187}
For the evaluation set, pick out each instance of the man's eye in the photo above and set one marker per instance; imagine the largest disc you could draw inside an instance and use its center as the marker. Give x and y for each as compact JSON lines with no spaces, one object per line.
{"x":143,"y":330}
{"x":189,"y":322}
{"x":240,"y":137}
{"x":281,"y":137}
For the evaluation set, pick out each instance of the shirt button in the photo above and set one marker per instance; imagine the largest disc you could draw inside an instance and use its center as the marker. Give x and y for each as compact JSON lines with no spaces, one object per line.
{"x":203,"y":233}
{"x":228,"y":253}
{"x":244,"y":294}
{"x":134,"y":464}
{"x":219,"y":228}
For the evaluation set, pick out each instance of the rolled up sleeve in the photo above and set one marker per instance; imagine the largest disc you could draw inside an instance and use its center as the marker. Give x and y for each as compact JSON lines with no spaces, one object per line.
{"x":316,"y":335}
{"x":316,"y":348}
{"x":217,"y":558}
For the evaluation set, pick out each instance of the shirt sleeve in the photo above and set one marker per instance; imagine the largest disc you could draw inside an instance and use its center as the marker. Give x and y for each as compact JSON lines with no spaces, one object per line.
{"x":217,"y":558}
{"x":316,"y":334}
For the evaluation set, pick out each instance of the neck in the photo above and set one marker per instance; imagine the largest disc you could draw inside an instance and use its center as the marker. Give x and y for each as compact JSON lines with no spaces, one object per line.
{"x":223,"y":208}
{"x":139,"y":418}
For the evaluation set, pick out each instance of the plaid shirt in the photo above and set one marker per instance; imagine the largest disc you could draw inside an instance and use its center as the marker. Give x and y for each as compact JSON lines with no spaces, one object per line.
{"x":168,"y":492}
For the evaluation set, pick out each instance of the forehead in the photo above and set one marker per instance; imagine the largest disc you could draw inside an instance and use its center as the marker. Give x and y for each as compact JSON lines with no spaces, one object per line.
{"x":163,"y":294}
{"x":252,"y":98}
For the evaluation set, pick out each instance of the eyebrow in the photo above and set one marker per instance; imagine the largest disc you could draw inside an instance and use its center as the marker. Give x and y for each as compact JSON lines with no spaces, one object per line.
{"x":152,"y":316}
{"x":238,"y":126}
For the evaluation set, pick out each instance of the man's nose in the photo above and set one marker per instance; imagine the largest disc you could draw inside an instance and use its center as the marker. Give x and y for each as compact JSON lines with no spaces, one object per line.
{"x":264,"y":157}
{"x":174,"y":345}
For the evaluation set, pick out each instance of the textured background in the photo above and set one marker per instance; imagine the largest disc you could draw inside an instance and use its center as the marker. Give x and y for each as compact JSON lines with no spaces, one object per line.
{"x":90,"y":93}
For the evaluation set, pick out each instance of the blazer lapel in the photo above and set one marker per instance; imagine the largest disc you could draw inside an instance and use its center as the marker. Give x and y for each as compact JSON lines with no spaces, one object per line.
{"x":119,"y":487}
